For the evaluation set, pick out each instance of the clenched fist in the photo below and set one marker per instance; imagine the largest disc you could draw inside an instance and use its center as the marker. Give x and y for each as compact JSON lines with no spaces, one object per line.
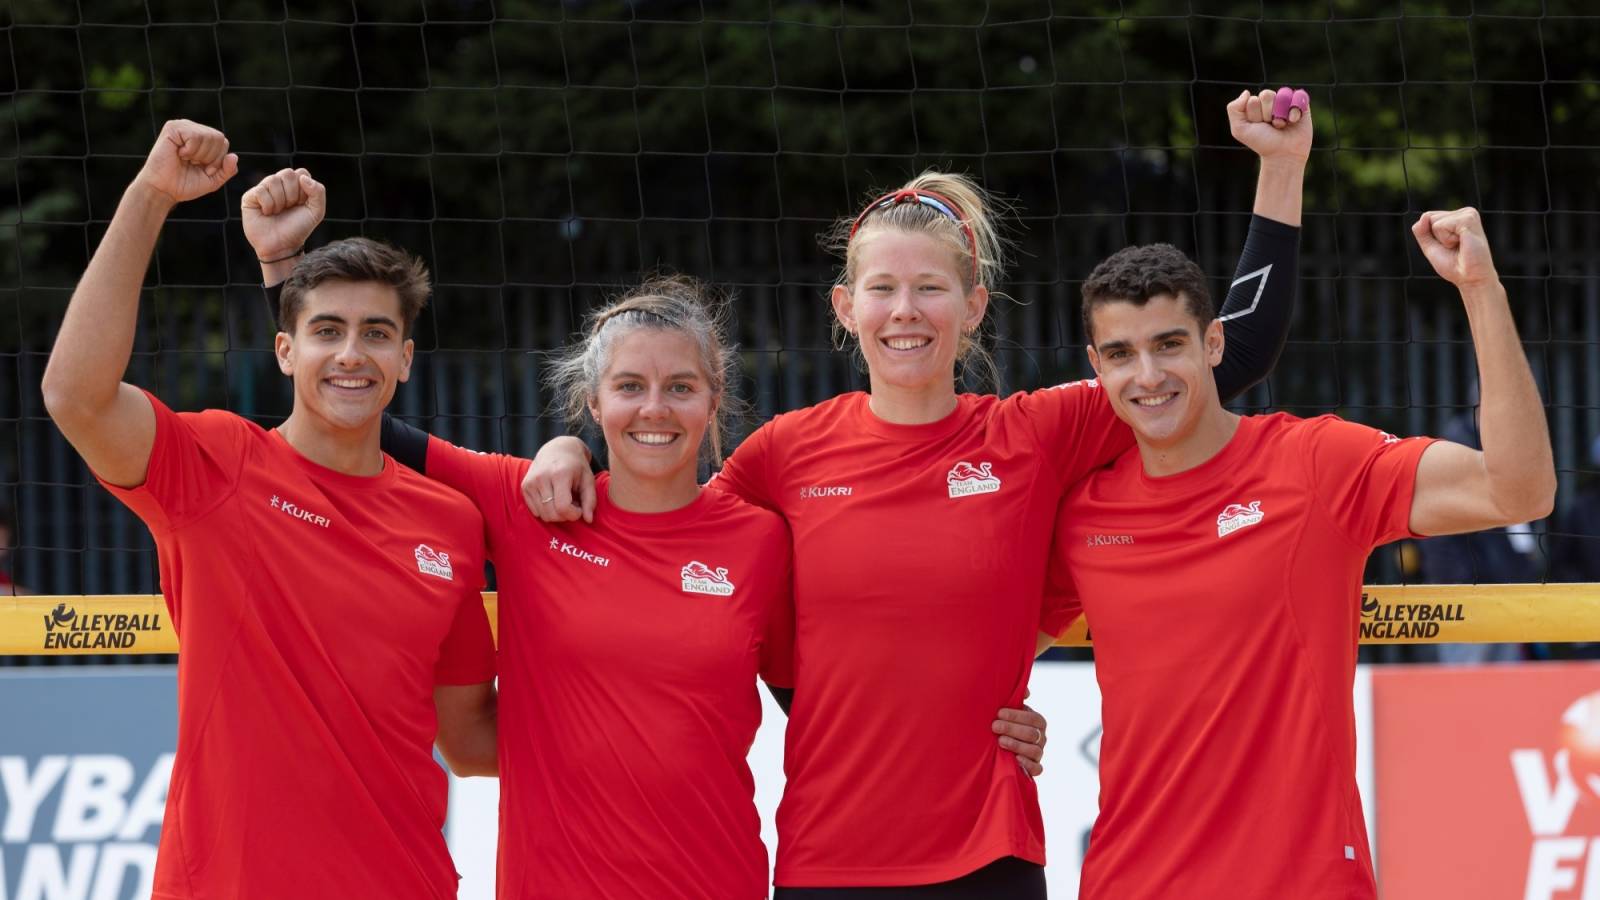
{"x":1456,"y":246}
{"x":1275,"y":124}
{"x":189,"y":160}
{"x":281,"y":212}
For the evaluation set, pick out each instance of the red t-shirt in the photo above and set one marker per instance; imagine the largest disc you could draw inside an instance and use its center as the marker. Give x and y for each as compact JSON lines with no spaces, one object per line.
{"x":1223,"y":603}
{"x":317,"y":612}
{"x":629,"y":651}
{"x":919,"y":567}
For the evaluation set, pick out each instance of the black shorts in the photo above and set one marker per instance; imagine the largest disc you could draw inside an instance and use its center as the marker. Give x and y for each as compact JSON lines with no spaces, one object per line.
{"x":1004,"y":879}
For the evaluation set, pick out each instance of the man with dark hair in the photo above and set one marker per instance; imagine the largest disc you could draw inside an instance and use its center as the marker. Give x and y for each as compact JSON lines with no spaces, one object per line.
{"x":355,"y":259}
{"x":326,"y":599}
{"x":1219,"y":566}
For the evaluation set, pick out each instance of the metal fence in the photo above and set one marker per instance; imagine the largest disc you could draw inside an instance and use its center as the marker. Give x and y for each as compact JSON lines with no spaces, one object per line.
{"x":1371,"y":340}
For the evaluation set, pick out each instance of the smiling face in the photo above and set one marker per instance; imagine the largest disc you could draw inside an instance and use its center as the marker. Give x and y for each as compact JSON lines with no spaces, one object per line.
{"x":347,"y":353}
{"x":1154,"y":362}
{"x":909,"y":307}
{"x":654,"y":403}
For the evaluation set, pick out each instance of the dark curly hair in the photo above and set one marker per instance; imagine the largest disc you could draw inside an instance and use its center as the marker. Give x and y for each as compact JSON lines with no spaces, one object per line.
{"x":1135,"y":274}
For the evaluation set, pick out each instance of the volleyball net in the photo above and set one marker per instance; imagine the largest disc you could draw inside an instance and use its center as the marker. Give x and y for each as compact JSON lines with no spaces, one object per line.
{"x":540,"y":155}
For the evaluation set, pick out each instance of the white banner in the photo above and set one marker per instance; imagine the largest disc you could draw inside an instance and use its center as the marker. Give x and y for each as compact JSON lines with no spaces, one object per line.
{"x":1064,"y":693}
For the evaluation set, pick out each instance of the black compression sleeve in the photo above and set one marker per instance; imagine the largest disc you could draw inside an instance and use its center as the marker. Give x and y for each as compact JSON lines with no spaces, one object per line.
{"x":784,"y":696}
{"x":272,"y":292}
{"x":407,"y":443}
{"x":1259,"y":306}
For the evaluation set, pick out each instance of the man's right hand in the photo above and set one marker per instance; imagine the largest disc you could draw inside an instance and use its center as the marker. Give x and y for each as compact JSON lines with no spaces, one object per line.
{"x":559,"y":486}
{"x":279,"y":215}
{"x":189,"y":160}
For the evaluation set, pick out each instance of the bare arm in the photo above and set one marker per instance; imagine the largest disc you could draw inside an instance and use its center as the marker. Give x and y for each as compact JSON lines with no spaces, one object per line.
{"x":559,"y":486}
{"x":1512,"y":479}
{"x":467,"y":736}
{"x":110,"y":423}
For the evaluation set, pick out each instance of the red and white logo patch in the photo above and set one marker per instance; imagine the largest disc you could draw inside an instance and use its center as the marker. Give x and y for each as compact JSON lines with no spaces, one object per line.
{"x":1235,"y":516}
{"x":699,"y":578}
{"x":966,"y":479}
{"x":432,"y":562}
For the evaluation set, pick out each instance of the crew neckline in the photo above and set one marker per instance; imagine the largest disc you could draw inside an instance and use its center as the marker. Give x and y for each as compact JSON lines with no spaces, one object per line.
{"x":643,"y":521}
{"x":1206,"y":472}
{"x":948,"y":424}
{"x":333,"y":476}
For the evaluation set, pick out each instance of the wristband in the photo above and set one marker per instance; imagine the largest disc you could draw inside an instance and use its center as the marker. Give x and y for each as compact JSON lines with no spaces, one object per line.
{"x":267,"y":262}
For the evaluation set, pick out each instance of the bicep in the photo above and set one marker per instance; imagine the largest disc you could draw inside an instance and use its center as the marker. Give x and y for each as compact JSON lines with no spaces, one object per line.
{"x":467,"y":738}
{"x":1452,"y":493}
{"x":116,"y":442}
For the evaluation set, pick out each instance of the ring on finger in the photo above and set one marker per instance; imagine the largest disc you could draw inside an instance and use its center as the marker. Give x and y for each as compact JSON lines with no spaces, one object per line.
{"x":1040,"y":738}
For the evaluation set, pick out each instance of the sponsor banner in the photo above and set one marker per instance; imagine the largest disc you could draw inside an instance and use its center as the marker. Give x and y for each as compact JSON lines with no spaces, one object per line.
{"x":1489,"y":781}
{"x":83,"y":785}
{"x":85,"y":756}
{"x":1390,"y":614}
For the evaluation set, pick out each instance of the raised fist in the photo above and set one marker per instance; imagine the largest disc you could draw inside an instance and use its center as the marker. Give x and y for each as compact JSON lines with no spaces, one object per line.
{"x":189,"y":160}
{"x":1275,"y":124}
{"x":1455,"y":245}
{"x":281,"y":212}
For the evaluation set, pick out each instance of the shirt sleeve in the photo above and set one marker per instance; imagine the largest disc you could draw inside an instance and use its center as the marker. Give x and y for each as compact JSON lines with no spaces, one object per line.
{"x":1060,"y":609}
{"x":492,"y":481}
{"x":746,"y":473}
{"x":1363,"y":478}
{"x":1259,"y":306}
{"x":777,"y":642}
{"x":194,"y":465}
{"x":1060,"y":606}
{"x":467,"y":654}
{"x":1076,"y":428}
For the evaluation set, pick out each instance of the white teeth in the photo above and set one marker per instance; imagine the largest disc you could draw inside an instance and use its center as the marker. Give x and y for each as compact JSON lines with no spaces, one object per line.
{"x":906,"y":343}
{"x":349,"y":382}
{"x":1153,"y":401}
{"x":651,"y":437}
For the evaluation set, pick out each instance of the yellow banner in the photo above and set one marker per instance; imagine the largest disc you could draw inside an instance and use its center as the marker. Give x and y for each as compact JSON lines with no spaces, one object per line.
{"x":1390,"y":614}
{"x":1460,"y":614}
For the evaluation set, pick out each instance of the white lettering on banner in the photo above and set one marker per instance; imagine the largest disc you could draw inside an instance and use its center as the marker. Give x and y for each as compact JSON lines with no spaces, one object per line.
{"x":1549,"y":807}
{"x":44,"y":878}
{"x":94,"y":806}
{"x":115,"y":859}
{"x":1546,"y":873}
{"x":1550,"y":795}
{"x":148,"y":806}
{"x":23,"y":796}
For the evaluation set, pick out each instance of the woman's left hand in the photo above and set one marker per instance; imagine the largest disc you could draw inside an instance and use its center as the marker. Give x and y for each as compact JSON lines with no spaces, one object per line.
{"x":1022,"y":731}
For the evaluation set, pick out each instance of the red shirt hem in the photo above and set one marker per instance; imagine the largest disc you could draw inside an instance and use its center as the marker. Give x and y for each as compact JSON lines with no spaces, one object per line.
{"x":907,"y":876}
